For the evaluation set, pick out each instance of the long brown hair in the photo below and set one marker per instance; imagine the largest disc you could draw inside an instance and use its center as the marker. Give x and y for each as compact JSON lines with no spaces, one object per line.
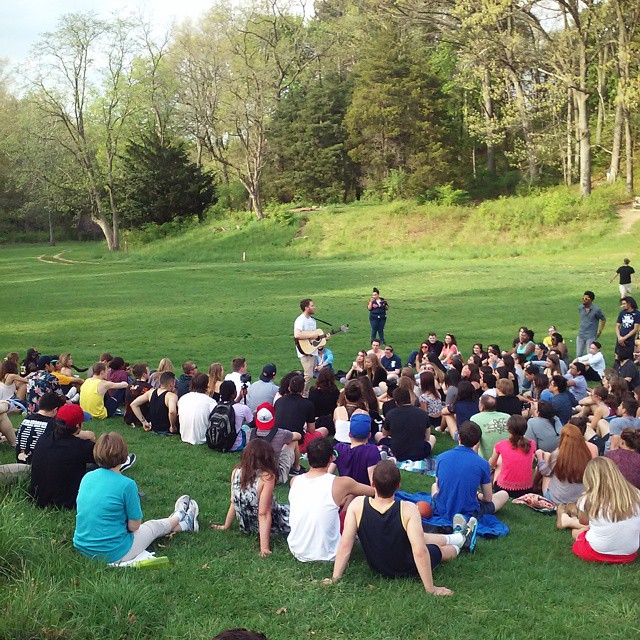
{"x":215,"y":375}
{"x":573,"y":455}
{"x":375,"y":363}
{"x":517,"y":427}
{"x":258,"y":457}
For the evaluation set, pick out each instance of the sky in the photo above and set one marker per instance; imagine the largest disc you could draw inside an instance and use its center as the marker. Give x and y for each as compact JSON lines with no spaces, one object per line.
{"x":23,"y":21}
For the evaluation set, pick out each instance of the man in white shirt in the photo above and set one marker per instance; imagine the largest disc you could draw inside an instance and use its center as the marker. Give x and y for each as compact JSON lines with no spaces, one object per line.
{"x":239,"y":369}
{"x":194,"y":408}
{"x":594,"y":362}
{"x":305,"y":328}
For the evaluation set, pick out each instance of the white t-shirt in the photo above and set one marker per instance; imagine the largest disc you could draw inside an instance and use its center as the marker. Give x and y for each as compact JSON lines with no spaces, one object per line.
{"x":614,"y":538}
{"x":193,"y":411}
{"x":304,"y":323}
{"x":235,"y":377}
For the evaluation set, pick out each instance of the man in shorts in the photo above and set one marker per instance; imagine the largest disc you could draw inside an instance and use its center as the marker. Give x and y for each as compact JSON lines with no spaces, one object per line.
{"x":283,"y":441}
{"x":627,"y":278}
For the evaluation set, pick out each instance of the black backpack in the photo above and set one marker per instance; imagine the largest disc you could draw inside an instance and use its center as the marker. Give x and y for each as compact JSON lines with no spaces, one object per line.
{"x":221,"y":432}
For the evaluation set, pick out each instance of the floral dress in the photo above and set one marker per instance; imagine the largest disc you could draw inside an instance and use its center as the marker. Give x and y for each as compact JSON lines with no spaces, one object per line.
{"x":245,"y":502}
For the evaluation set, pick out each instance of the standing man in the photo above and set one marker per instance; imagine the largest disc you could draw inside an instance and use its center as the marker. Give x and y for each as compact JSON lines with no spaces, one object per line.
{"x":377,"y":314}
{"x":305,"y":328}
{"x":628,"y":323}
{"x":590,"y":316}
{"x":626,"y":274}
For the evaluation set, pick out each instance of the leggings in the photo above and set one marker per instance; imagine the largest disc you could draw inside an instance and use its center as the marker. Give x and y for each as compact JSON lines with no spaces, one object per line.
{"x":145,"y":535}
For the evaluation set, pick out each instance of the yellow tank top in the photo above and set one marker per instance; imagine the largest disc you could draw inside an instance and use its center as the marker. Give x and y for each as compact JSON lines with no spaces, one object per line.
{"x":90,"y":400}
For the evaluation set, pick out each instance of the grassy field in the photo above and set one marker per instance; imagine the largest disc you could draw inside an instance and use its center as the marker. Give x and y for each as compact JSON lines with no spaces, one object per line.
{"x":191,"y":297}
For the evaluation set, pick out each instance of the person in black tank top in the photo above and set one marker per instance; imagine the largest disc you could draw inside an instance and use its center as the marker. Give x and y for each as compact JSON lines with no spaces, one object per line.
{"x":163,"y":406}
{"x":391,"y":534}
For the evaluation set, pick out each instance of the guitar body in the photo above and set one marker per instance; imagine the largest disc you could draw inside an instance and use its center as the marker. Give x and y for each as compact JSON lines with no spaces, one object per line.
{"x":309,"y":346}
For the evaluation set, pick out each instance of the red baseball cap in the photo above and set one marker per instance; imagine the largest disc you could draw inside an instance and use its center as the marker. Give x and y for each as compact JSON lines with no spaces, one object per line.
{"x":71,"y":414}
{"x":265,"y":417}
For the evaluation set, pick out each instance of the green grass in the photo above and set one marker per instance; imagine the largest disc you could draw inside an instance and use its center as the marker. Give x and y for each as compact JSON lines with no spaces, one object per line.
{"x":191,"y":296}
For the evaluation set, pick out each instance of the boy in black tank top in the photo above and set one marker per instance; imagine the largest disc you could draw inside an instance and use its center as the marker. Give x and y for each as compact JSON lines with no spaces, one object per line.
{"x":163,"y":407}
{"x":391,"y":534}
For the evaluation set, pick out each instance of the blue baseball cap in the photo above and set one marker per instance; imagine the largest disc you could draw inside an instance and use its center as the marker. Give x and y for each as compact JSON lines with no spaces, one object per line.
{"x":360,"y":426}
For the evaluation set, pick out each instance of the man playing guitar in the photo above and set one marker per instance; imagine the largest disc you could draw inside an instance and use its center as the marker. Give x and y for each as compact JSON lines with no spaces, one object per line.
{"x":305,"y":327}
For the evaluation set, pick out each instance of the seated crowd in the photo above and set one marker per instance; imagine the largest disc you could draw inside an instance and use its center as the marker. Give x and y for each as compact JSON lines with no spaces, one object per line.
{"x":522,"y":420}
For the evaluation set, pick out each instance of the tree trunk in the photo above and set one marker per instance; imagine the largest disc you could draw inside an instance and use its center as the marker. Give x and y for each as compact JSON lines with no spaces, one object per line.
{"x":602,"y":89}
{"x":584,"y":136}
{"x":487,"y":102}
{"x":569,"y":174}
{"x":52,"y":238}
{"x":617,"y":141}
{"x":526,"y":127}
{"x":628,"y":138}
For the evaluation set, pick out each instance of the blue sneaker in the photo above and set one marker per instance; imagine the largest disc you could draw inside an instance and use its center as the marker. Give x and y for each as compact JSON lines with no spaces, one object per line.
{"x":471,"y":535}
{"x":459,"y":523}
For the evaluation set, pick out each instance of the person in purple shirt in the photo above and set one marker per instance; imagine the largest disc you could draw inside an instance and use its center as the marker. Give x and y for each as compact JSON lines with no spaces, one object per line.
{"x":626,"y":454}
{"x":357,"y":459}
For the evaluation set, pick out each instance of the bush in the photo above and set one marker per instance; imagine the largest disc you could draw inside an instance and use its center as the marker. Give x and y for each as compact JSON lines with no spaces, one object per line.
{"x":445,"y":195}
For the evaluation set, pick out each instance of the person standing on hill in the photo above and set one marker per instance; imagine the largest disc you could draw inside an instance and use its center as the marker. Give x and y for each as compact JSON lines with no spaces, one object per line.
{"x":627,"y":324}
{"x":627,"y":278}
{"x":377,"y":314}
{"x":592,"y":322}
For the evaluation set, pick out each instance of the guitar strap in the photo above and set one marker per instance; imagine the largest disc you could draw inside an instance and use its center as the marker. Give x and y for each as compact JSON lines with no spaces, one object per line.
{"x":323,"y":321}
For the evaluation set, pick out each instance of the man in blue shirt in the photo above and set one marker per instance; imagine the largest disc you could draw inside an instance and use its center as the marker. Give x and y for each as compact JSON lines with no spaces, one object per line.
{"x":391,"y":362}
{"x":459,"y":473}
{"x":324,"y":360}
{"x":590,"y":317}
{"x":562,"y":401}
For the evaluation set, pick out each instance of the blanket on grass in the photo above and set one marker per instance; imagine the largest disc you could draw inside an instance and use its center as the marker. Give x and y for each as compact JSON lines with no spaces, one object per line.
{"x":488,"y":526}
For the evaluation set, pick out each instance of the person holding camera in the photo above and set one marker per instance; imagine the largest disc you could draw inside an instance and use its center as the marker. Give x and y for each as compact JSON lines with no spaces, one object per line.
{"x":239,"y":377}
{"x":377,"y":307}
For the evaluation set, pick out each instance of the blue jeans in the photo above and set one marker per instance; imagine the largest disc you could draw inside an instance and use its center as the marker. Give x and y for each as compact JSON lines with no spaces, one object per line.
{"x":582,"y":344}
{"x":377,"y":327}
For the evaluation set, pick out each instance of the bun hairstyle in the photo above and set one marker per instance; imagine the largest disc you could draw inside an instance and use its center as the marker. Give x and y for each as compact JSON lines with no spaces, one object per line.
{"x":517,"y":426}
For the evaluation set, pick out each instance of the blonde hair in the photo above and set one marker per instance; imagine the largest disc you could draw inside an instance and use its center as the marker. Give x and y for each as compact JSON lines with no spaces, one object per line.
{"x":165,"y":365}
{"x":216,"y":372}
{"x":63,"y":359}
{"x":607,"y":493}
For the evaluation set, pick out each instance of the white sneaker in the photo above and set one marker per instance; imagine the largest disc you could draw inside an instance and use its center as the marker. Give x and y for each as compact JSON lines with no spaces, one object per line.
{"x":182,"y":506}
{"x":191,"y":519}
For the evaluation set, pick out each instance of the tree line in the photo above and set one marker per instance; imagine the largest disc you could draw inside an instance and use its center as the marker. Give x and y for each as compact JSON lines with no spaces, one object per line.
{"x":322,"y":103}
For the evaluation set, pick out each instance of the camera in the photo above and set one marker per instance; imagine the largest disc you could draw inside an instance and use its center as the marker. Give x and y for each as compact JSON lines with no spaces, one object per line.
{"x":245,"y":379}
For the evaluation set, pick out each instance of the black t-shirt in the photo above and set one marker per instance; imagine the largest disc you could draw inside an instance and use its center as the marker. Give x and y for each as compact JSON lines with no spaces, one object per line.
{"x":388,"y":406}
{"x":29,"y":432}
{"x":135,"y":390}
{"x":407,"y":426}
{"x":324,"y":402}
{"x":628,"y":370}
{"x":58,"y":465}
{"x":293,"y":412}
{"x":380,"y":375}
{"x":435,"y":347}
{"x":509,"y":404}
{"x":627,"y":320}
{"x":625,"y":274}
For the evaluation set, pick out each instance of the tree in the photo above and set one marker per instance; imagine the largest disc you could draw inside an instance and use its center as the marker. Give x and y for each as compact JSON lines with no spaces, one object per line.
{"x":160,"y":184}
{"x":93,"y":117}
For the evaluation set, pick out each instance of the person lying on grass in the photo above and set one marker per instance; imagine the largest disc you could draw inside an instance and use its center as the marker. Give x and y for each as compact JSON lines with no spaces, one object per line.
{"x":605,"y":523}
{"x":391,"y":535}
{"x":109,"y":523}
{"x":252,"y":482}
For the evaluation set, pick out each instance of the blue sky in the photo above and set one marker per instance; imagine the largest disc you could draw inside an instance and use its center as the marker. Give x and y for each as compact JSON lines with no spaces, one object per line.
{"x":23,"y":21}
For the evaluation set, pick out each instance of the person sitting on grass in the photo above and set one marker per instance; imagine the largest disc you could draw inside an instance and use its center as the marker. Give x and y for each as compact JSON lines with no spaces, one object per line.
{"x":606,"y":527}
{"x":194,"y":409}
{"x":94,"y":397}
{"x":109,"y":523}
{"x":563,"y":469}
{"x":626,"y":412}
{"x":594,"y":362}
{"x":391,"y":536}
{"x":163,"y":406}
{"x":544,"y":428}
{"x":465,"y":406}
{"x":117,"y":372}
{"x":315,"y":501}
{"x":407,"y":431}
{"x":140,"y":385}
{"x":252,"y":503}
{"x":241,"y":411}
{"x":576,"y":380}
{"x":41,"y":382}
{"x":59,"y":461}
{"x":493,"y":424}
{"x":12,"y":384}
{"x":512,"y":460}
{"x":506,"y":400}
{"x":297,"y":414}
{"x":459,"y":473}
{"x":358,"y":458}
{"x":183,"y":383}
{"x":625,"y":452}
{"x":34,"y":426}
{"x":283,"y":442}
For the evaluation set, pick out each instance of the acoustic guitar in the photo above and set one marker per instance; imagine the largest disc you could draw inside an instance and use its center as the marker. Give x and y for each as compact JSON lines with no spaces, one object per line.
{"x":308,"y":346}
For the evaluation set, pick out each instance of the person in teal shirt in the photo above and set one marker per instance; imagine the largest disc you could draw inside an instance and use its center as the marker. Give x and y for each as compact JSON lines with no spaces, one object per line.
{"x":109,"y":523}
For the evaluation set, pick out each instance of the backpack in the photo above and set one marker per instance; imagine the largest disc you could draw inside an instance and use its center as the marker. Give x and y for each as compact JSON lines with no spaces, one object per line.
{"x":221,"y":432}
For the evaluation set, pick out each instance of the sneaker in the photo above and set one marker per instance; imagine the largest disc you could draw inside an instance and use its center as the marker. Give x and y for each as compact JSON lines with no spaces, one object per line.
{"x":131,"y":460}
{"x":459,"y":523}
{"x":191,"y":517}
{"x":298,"y":472}
{"x":471,"y":535}
{"x":182,"y":506}
{"x":118,"y":412}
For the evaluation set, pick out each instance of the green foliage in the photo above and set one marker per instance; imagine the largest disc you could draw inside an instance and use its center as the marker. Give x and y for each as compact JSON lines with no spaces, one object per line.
{"x":309,"y":158}
{"x":160,"y":185}
{"x":445,"y":195}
